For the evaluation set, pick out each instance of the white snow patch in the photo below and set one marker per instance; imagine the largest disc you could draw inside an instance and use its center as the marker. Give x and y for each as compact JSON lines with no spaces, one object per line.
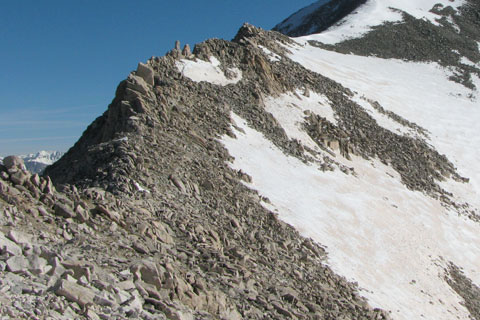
{"x":387,"y":238}
{"x":468,"y":62}
{"x":125,"y":139}
{"x":289,"y":110}
{"x":454,"y":25}
{"x":272,"y":56}
{"x":209,"y":71}
{"x":140,"y":188}
{"x":377,"y":12}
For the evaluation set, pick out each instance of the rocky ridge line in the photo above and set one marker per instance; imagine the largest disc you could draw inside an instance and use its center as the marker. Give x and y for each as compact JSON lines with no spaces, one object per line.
{"x":164,"y":211}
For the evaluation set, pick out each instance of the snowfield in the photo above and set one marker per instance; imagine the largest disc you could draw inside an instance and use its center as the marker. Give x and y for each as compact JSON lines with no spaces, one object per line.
{"x":396,"y":243}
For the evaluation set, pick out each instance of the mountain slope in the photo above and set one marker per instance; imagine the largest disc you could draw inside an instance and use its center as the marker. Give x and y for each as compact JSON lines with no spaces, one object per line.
{"x":157,"y":147}
{"x":192,"y":195}
{"x":423,"y":94}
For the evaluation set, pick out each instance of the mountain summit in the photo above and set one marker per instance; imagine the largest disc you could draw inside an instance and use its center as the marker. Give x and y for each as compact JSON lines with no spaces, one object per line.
{"x":328,"y":176}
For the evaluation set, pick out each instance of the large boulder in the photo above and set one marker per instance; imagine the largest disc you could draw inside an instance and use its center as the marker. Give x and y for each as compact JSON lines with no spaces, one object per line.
{"x":76,"y":293}
{"x":146,"y":72}
{"x":138,"y":84}
{"x":13,"y":162}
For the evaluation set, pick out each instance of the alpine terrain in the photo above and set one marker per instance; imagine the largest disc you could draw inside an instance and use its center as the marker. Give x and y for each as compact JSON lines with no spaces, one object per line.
{"x":333,"y":175}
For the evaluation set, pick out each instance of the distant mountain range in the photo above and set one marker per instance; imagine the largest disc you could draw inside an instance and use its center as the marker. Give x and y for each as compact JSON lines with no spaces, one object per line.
{"x":37,"y":162}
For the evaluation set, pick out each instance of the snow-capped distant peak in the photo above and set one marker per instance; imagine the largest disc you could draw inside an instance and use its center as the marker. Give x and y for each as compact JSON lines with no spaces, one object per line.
{"x":44,"y":157}
{"x":37,"y":162}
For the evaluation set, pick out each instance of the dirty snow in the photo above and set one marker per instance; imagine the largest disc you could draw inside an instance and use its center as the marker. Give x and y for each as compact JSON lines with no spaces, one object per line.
{"x":418,"y":92}
{"x":209,"y":71}
{"x":390,"y":240}
{"x":377,"y":12}
{"x":394,"y":242}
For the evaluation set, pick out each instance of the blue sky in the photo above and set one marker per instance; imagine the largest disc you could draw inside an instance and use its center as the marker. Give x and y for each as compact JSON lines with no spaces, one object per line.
{"x":61,"y":60}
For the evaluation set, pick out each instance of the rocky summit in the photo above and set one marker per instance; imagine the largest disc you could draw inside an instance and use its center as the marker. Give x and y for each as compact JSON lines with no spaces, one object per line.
{"x":261,"y":178}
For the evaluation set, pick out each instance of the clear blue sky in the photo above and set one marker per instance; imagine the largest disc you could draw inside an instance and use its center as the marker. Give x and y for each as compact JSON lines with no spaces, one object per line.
{"x":61,"y":60}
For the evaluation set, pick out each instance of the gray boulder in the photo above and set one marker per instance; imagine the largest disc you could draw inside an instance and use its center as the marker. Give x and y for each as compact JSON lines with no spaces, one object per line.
{"x":137,"y":83}
{"x":145,"y":72}
{"x":75,"y":293}
{"x":8,"y":246}
{"x":64,"y":211}
{"x":13,"y":162}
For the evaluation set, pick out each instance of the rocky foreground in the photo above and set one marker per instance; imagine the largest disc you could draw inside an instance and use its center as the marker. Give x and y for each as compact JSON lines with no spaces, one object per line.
{"x":75,"y":254}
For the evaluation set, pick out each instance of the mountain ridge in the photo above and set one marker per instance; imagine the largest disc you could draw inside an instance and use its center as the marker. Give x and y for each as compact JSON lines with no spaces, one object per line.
{"x":260,"y":177}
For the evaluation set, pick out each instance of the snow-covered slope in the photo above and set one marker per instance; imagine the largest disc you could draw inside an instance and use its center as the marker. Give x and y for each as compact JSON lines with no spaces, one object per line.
{"x":397,"y":243}
{"x":366,"y":16}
